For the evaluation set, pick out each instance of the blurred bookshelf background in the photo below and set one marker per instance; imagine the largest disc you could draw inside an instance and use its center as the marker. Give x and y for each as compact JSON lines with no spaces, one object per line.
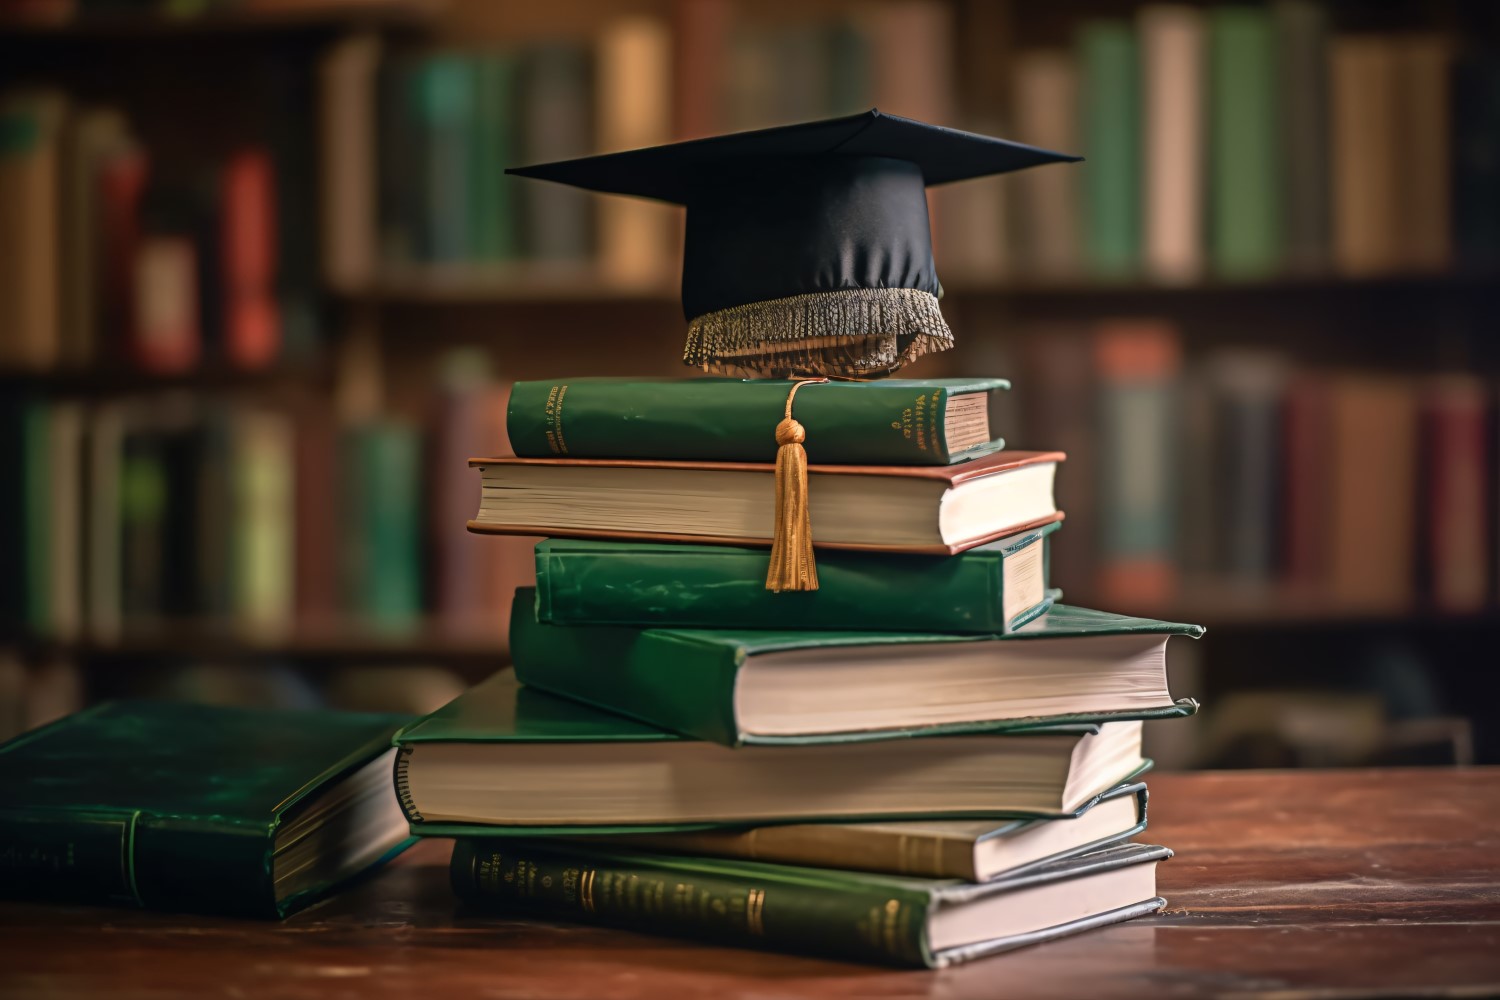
{"x":263,"y":287}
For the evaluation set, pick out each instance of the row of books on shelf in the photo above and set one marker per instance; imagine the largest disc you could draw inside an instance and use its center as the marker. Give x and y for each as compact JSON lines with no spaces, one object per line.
{"x":1236,"y":142}
{"x":111,"y":256}
{"x":259,"y":518}
{"x":1346,"y":491}
{"x":1244,"y":141}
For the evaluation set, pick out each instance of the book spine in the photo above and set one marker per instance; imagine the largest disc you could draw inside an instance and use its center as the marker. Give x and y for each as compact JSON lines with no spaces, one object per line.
{"x":1171,"y":38}
{"x":1110,"y":112}
{"x":865,"y":924}
{"x":1301,"y":29}
{"x":861,"y":848}
{"x":103,"y":856}
{"x":710,"y":420}
{"x":723,"y":587}
{"x":1245,"y":219}
{"x":656,"y":677}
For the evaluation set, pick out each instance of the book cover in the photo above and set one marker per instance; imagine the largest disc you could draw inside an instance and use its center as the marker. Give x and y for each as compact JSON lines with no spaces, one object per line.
{"x":889,"y":422}
{"x":1137,"y":363}
{"x":349,"y":167}
{"x":446,"y":93}
{"x":990,"y":589}
{"x":1173,"y":63}
{"x":1048,"y":225}
{"x":381,"y":548}
{"x":685,"y":680}
{"x":31,"y":124}
{"x":1245,"y":216}
{"x":1110,"y":113}
{"x":884,"y":919}
{"x":1366,"y":188}
{"x":556,"y":82}
{"x":251,"y":317}
{"x":1300,"y":28}
{"x":1456,"y":446}
{"x":173,"y":806}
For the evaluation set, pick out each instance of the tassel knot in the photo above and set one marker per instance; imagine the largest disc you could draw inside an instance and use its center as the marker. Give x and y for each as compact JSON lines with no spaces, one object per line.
{"x":792,"y":566}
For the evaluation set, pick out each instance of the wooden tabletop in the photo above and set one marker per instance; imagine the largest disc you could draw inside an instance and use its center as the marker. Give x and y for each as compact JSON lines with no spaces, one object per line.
{"x":1320,"y":885}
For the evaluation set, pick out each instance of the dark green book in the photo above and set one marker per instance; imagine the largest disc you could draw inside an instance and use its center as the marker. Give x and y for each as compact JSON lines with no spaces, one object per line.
{"x":249,"y":812}
{"x":1245,"y":216}
{"x":503,"y":759}
{"x":882,"y":919}
{"x":493,"y":233}
{"x":1110,"y":112}
{"x":787,"y":687}
{"x":990,"y":589}
{"x":889,"y":422}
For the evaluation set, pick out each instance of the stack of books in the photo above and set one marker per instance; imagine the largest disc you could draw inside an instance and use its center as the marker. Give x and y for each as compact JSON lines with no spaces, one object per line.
{"x":925,"y":760}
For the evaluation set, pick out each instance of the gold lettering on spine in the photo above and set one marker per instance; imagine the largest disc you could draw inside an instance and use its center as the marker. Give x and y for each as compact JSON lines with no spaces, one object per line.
{"x":755,"y":905}
{"x":552,"y":419}
{"x":586,"y":889}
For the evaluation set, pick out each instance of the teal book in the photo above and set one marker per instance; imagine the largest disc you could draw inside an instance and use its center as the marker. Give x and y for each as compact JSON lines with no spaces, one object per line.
{"x":990,"y":589}
{"x":382,"y":550}
{"x":786,"y":687}
{"x":1110,"y":113}
{"x":245,"y":812}
{"x":888,"y":422}
{"x":1245,"y":213}
{"x":881,"y":919}
{"x":446,"y":90}
{"x":503,"y":759}
{"x":493,"y":233}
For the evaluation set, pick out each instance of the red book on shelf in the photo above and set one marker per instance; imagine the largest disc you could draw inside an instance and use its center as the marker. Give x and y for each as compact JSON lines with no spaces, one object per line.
{"x":1307,"y":425}
{"x":252,"y":321}
{"x":1458,"y":524}
{"x":122,"y":182}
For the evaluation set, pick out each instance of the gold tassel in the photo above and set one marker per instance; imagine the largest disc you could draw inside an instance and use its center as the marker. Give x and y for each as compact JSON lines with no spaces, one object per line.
{"x":792,"y":566}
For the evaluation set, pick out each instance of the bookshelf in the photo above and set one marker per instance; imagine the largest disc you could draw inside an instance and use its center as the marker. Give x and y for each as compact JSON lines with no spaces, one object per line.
{"x":402,"y":337}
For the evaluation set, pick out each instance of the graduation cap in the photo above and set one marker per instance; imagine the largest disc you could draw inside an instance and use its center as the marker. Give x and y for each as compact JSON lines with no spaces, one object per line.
{"x":808,"y":248}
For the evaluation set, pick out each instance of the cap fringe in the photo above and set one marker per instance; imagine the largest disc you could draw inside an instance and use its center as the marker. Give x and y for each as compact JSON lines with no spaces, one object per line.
{"x":851,"y":331}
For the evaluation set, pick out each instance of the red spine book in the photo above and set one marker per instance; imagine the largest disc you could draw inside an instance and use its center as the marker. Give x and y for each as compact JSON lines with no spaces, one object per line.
{"x":122,"y":182}
{"x":1458,"y":527}
{"x":1306,"y":428}
{"x":252,"y":321}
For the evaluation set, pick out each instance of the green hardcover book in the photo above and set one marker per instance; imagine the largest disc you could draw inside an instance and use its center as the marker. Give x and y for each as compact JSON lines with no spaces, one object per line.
{"x":382,"y":550}
{"x":250,"y":812}
{"x":493,"y":234}
{"x":1244,"y":143}
{"x":990,"y":589}
{"x":785,"y":687}
{"x":507,"y":760}
{"x":882,"y":919}
{"x":1110,"y":112}
{"x":889,"y":422}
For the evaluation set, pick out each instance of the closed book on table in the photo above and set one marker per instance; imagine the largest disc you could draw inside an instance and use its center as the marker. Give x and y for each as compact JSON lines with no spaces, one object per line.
{"x":250,"y":812}
{"x":990,"y":589}
{"x":890,"y":422}
{"x":504,"y":759}
{"x":787,"y":687}
{"x":933,"y":509}
{"x":974,"y":850}
{"x":883,"y":919}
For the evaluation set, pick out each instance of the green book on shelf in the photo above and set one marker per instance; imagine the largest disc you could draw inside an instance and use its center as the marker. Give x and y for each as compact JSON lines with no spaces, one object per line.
{"x":990,"y":589}
{"x":787,"y":687}
{"x":1110,"y":113}
{"x":1245,"y":140}
{"x":249,"y":812}
{"x":382,"y":550}
{"x":507,"y":760}
{"x":889,"y":422}
{"x":445,"y":106}
{"x":493,"y":233}
{"x":883,"y":919}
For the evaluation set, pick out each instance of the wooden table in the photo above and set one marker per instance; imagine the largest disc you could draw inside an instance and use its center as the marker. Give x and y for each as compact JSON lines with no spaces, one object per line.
{"x":1323,"y":885}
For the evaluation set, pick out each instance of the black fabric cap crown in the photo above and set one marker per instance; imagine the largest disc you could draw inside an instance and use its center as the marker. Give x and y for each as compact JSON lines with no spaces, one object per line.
{"x":808,"y":247}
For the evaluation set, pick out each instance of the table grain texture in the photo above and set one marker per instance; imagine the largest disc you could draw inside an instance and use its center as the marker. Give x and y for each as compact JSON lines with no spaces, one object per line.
{"x":1322,"y":885}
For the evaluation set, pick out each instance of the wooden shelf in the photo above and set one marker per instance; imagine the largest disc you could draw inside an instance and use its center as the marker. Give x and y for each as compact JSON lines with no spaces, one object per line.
{"x":582,"y":282}
{"x":334,"y":643}
{"x":315,"y":15}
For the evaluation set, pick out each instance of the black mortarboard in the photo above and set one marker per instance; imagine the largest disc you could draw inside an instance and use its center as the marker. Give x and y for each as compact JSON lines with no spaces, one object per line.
{"x":809,"y":249}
